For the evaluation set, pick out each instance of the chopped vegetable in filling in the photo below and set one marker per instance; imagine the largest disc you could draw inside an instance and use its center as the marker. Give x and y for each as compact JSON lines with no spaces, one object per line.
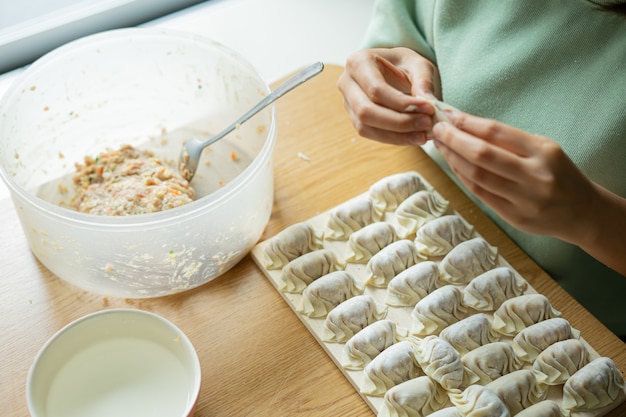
{"x":128,"y":181}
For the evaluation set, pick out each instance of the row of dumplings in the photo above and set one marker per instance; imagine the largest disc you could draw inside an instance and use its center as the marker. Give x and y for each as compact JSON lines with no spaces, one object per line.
{"x":426,"y":259}
{"x":430,"y":366}
{"x":521,"y":393}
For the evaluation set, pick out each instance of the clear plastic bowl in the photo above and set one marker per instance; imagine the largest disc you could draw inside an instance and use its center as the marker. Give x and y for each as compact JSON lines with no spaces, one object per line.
{"x":150,"y":88}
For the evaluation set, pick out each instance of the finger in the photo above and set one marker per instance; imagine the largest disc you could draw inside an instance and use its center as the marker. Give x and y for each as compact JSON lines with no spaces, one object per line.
{"x":385,"y":85}
{"x":412,"y":138}
{"x":501,"y":205}
{"x":477,"y":154}
{"x":501,"y":135}
{"x":364,"y":112}
{"x":477,"y":179}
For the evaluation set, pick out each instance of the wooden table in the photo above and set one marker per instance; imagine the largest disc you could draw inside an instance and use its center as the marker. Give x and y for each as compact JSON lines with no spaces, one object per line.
{"x":257,"y":358}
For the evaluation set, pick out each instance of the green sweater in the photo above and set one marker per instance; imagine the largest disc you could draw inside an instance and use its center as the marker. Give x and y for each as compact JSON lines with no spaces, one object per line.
{"x":550,"y":67}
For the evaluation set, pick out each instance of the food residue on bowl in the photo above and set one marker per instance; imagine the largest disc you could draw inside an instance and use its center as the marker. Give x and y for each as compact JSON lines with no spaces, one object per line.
{"x":128,"y":181}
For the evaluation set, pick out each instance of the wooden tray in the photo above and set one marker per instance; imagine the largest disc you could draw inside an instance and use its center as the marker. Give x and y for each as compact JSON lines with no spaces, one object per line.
{"x":400,"y":315}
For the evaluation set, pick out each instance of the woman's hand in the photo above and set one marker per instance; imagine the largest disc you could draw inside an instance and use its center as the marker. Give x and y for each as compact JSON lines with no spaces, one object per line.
{"x":532,"y":184}
{"x":386,"y":93}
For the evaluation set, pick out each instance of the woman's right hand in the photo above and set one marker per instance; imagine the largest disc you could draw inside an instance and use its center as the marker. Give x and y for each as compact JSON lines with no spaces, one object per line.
{"x":387,"y":93}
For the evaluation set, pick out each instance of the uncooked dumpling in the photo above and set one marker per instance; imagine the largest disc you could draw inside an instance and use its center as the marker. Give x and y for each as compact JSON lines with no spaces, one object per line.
{"x":545,"y":408}
{"x":391,"y":367}
{"x":302,"y":271}
{"x":388,"y":192}
{"x":519,"y":389}
{"x":522,"y":311}
{"x":418,"y":209}
{"x":437,"y":310}
{"x":489,"y":362}
{"x":290,"y":243}
{"x":416,"y":397}
{"x":439,"y":236}
{"x":467,"y":260}
{"x":390,"y":261}
{"x":536,"y":338}
{"x":364,"y":346}
{"x":490,"y":289}
{"x":469,"y":333}
{"x":562,"y":360}
{"x":327,"y":292}
{"x":351,"y":216}
{"x":365,"y":243}
{"x":447,"y":412}
{"x":478,"y":401}
{"x":349,"y":317}
{"x":597,"y":384}
{"x":412,"y":284}
{"x":440,"y":361}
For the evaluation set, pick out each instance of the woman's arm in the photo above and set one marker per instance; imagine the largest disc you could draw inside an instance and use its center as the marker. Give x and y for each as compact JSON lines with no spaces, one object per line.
{"x":532,"y":184}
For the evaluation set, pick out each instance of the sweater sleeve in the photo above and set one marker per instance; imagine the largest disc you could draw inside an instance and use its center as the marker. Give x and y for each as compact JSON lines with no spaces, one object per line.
{"x":405,"y":23}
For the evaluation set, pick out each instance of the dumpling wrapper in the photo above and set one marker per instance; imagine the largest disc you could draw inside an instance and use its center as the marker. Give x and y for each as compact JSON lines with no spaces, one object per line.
{"x":489,"y":362}
{"x":439,"y":309}
{"x":440,"y":361}
{"x":351,"y":216}
{"x":469,"y":333}
{"x":412,"y":284}
{"x":536,"y":338}
{"x":327,"y":292}
{"x":390,"y":261}
{"x":388,"y":192}
{"x":368,"y":241}
{"x":490,"y":289}
{"x":545,"y":408}
{"x":467,"y":260}
{"x":418,"y":209}
{"x":447,"y":412}
{"x":519,"y":389}
{"x":351,"y":316}
{"x":419,"y":396}
{"x":391,"y":367}
{"x":290,"y":243}
{"x":369,"y":342}
{"x":597,"y":384}
{"x":305,"y":269}
{"x":478,"y":401}
{"x":517,"y":313}
{"x":440,"y":235}
{"x":562,"y":360}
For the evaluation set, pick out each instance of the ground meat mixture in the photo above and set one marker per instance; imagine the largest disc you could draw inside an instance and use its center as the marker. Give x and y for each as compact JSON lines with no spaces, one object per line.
{"x":128,"y":181}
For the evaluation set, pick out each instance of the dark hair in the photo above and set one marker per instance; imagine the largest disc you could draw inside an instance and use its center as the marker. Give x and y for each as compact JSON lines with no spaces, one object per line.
{"x":618,"y":8}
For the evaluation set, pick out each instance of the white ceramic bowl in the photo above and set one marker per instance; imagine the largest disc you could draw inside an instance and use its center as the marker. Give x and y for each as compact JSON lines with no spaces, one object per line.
{"x":150,"y":88}
{"x":115,"y":363}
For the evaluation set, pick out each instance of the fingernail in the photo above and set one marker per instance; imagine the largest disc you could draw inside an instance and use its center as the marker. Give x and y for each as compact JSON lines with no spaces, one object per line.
{"x":417,"y":139}
{"x":453,"y":115}
{"x":425,"y":108}
{"x":437,"y":143}
{"x":439,"y":128}
{"x":423,"y":122}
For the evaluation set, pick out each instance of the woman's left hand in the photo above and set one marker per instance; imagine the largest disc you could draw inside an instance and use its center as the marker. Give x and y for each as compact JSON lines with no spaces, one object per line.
{"x":527,"y":179}
{"x":532,"y":184}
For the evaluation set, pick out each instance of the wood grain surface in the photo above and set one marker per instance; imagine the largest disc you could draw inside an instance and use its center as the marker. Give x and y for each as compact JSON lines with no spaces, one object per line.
{"x":257,"y":358}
